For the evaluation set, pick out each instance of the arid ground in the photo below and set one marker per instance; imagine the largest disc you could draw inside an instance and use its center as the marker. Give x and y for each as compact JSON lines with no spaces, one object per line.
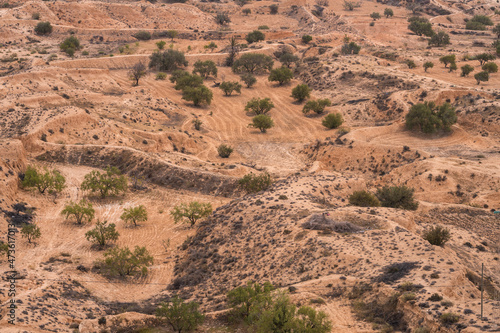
{"x":83,"y":113}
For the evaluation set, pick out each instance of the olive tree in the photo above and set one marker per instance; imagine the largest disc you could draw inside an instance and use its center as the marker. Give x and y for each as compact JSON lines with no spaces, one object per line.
{"x":248,"y":79}
{"x":120,"y":261}
{"x":110,"y":182}
{"x":263,"y":122}
{"x":197,"y":95}
{"x":181,"y":316}
{"x":281,"y":75}
{"x":317,"y":106}
{"x":229,"y":86}
{"x":253,"y":63}
{"x":191,"y":212}
{"x":48,"y":180}
{"x":82,"y":211}
{"x":167,"y":60}
{"x":31,"y":232}
{"x":259,"y":105}
{"x":136,"y":72}
{"x":301,"y":92}
{"x":135,"y":214}
{"x":102,"y":233}
{"x":205,"y":68}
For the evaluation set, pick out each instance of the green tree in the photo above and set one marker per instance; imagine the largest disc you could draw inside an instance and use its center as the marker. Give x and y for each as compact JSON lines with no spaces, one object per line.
{"x":482,"y":76}
{"x":70,"y":45}
{"x":397,"y":197}
{"x":420,"y":26}
{"x":437,"y":235}
{"x":466,"y":70}
{"x":273,"y":9}
{"x":317,"y":106}
{"x":448,"y":59}
{"x":333,"y":120}
{"x":197,"y":95}
{"x":31,"y":232}
{"x":259,"y":105}
{"x":50,"y":180}
{"x":102,"y":233}
{"x":453,"y":67}
{"x":229,"y":86}
{"x":248,"y":79}
{"x":43,"y":28}
{"x":287,"y":59}
{"x":210,"y":46}
{"x":484,"y":58}
{"x":375,"y":16}
{"x":301,"y":92}
{"x":411,"y":64}
{"x":248,"y":299}
{"x":281,"y":75}
{"x":253,"y":63}
{"x":278,"y":317}
{"x":135,"y":214}
{"x":161,"y":44}
{"x":224,"y":150}
{"x":388,"y":12}
{"x":197,"y":124}
{"x":234,"y":49}
{"x":171,"y":34}
{"x":255,"y":183}
{"x":262,"y":122}
{"x":428,"y":65}
{"x":178,"y":73}
{"x":187,"y":81}
{"x":482,"y":19}
{"x":122,"y":262}
{"x":136,"y":72}
{"x":255,"y":36}
{"x":205,"y":68}
{"x":110,"y":182}
{"x":192,"y":212}
{"x":306,"y":39}
{"x":182,"y":317}
{"x":423,"y":117}
{"x":364,"y":199}
{"x":490,"y":67}
{"x":473,"y":25}
{"x":82,"y":211}
{"x":447,"y":115}
{"x":439,"y":39}
{"x":167,"y":60}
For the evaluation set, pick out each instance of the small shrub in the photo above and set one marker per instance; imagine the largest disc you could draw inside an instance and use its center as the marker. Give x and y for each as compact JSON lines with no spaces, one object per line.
{"x":224,"y":150}
{"x":375,"y":16}
{"x":255,"y":36}
{"x":439,"y":39}
{"x":301,"y":92}
{"x":255,"y":183}
{"x":411,"y":64}
{"x":449,"y":318}
{"x":437,"y":235}
{"x":306,"y":39}
{"x":397,"y":197}
{"x":70,"y":45}
{"x":364,"y":199}
{"x":408,"y":297}
{"x":263,"y":27}
{"x":43,"y":28}
{"x":222,"y":18}
{"x":161,"y":76}
{"x":435,"y":298}
{"x":317,"y":106}
{"x":350,"y":48}
{"x":142,"y":35}
{"x":248,"y":79}
{"x":388,"y":12}
{"x":333,"y":120}
{"x":273,"y":9}
{"x":197,"y":124}
{"x":35,"y":16}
